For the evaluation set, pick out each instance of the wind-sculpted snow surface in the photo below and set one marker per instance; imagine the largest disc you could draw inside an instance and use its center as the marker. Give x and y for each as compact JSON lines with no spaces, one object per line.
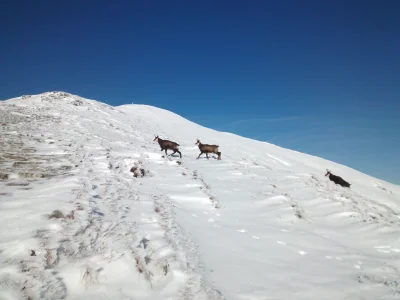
{"x":90,"y":208}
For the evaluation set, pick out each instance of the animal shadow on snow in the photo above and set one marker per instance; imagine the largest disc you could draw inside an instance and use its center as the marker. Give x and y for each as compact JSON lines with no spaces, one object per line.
{"x":172,"y":155}
{"x":203,"y":157}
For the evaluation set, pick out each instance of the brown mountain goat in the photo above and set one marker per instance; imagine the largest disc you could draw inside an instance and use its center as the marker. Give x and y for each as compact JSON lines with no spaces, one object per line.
{"x":168,"y":145}
{"x":204,"y":148}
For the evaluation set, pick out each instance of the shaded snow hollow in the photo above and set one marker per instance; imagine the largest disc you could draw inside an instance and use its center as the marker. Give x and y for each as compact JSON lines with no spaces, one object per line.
{"x":262,"y":223}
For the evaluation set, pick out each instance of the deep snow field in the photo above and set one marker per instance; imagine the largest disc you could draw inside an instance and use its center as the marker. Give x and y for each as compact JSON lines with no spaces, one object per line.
{"x":262,"y":223}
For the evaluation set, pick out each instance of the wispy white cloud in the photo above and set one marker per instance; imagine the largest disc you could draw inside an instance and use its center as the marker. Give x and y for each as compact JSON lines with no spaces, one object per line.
{"x":261,"y":120}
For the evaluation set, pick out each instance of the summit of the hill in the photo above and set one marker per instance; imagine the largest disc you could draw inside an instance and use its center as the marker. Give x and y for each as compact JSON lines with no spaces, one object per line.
{"x":91,"y":207}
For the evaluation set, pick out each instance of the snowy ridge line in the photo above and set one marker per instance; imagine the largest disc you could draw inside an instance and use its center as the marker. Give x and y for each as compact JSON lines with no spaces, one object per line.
{"x":283,"y":230}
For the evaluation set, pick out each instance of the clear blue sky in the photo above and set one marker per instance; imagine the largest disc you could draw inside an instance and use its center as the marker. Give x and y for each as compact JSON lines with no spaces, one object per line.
{"x":321,"y":77}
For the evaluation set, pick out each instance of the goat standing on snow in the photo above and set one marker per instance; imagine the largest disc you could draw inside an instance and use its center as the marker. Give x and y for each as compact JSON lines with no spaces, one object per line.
{"x":204,"y":148}
{"x":165,"y":145}
{"x":337,"y":179}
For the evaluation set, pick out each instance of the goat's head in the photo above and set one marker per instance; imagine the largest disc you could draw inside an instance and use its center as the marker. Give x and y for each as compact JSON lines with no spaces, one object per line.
{"x":155,"y":139}
{"x":198,"y":142}
{"x":328,"y":172}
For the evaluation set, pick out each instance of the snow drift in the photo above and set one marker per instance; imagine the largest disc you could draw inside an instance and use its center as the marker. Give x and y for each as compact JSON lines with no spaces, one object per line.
{"x":262,"y":223}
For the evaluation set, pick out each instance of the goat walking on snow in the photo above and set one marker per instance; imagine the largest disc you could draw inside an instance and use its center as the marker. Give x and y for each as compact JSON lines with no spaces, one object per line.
{"x":204,"y":148}
{"x":165,"y":145}
{"x":337,"y":179}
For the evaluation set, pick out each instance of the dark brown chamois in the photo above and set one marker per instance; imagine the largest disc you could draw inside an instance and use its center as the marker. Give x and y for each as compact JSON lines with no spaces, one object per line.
{"x":337,"y":179}
{"x":204,"y":148}
{"x":168,"y":145}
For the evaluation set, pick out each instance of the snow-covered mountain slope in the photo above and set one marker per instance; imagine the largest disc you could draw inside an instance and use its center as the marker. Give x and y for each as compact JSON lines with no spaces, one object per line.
{"x":262,"y":223}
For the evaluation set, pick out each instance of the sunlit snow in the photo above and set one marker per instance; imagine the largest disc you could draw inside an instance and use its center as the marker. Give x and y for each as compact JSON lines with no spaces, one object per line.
{"x":262,"y":223}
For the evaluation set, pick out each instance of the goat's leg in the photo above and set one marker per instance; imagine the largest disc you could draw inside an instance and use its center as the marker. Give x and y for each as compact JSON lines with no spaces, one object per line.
{"x":207,"y":156}
{"x":166,"y":152}
{"x":199,"y":155}
{"x":219,"y":155}
{"x":175,"y":150}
